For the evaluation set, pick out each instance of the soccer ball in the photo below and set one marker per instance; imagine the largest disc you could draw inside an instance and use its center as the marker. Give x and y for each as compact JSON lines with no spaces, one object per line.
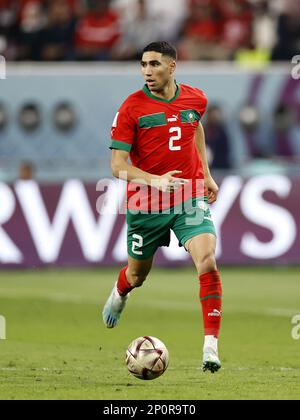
{"x":147,"y":357}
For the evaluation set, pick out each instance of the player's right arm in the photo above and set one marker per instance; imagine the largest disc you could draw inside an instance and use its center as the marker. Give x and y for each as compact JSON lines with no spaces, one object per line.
{"x":124,"y":170}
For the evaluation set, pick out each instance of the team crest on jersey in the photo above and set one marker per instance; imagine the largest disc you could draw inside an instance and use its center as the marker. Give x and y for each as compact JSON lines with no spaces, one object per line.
{"x":189,"y":116}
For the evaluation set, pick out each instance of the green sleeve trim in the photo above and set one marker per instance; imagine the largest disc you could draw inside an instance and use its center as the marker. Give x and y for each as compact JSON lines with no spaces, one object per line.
{"x":120,"y":145}
{"x":211,"y":296}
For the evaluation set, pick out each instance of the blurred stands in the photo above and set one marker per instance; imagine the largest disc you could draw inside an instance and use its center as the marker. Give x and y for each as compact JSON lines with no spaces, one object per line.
{"x":60,"y":30}
{"x":55,"y":121}
{"x":218,"y":144}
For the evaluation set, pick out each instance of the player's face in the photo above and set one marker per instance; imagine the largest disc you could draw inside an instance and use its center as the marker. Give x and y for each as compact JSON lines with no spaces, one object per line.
{"x":157,"y":70}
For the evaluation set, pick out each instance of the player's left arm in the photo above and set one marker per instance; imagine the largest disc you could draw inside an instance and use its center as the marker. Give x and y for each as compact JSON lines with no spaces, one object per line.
{"x":212,"y":187}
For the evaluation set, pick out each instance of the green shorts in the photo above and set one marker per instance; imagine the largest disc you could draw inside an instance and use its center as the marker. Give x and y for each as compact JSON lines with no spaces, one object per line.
{"x":149,"y":231}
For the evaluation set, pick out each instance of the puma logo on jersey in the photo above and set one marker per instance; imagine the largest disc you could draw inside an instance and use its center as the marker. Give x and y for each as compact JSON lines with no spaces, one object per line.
{"x":174,"y":118}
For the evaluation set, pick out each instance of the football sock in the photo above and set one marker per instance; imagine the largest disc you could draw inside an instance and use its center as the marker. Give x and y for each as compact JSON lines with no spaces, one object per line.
{"x":123,"y":286}
{"x":211,"y":301}
{"x":210,"y":342}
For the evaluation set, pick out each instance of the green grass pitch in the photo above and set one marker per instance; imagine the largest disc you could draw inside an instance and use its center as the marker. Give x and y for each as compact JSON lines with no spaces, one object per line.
{"x":58,"y":348}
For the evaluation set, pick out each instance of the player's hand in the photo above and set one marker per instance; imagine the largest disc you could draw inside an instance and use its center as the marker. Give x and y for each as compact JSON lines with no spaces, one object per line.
{"x":168,"y":182}
{"x":212,"y":189}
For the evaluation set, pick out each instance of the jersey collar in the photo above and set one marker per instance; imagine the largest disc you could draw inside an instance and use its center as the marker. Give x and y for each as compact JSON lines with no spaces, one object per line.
{"x":150,"y":95}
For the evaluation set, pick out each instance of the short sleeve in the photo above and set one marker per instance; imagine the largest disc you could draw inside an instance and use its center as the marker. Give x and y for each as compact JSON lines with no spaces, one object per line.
{"x":123,"y":130}
{"x":202,"y":103}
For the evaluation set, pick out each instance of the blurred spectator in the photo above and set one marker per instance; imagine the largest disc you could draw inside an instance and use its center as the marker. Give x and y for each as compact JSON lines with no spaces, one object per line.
{"x":217,"y":139}
{"x":215,"y":30}
{"x":171,"y":14}
{"x":57,"y":36}
{"x":237,"y":21}
{"x":26,"y":171}
{"x":249,"y":121}
{"x":201,"y":33}
{"x":264,"y":25}
{"x":32,"y":20}
{"x":97,"y":32}
{"x":3,"y":116}
{"x":8,"y":17}
{"x":138,"y":32}
{"x":288,"y":32}
{"x":284,"y":120}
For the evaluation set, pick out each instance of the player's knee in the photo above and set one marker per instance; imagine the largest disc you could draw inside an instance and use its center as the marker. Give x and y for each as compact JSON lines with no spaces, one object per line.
{"x":206,"y":264}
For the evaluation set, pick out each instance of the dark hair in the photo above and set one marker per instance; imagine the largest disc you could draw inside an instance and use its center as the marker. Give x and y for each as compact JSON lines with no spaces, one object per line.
{"x":162,"y":47}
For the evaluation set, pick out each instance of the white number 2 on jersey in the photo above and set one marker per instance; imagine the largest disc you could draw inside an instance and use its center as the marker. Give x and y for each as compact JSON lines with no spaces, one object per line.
{"x":176,"y":130}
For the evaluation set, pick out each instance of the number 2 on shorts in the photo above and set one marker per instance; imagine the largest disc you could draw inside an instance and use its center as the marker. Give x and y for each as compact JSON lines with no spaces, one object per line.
{"x":137,"y":244}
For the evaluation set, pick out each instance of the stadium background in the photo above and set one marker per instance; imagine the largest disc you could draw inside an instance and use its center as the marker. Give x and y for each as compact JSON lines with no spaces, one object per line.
{"x":68,"y":143}
{"x":70,"y":64}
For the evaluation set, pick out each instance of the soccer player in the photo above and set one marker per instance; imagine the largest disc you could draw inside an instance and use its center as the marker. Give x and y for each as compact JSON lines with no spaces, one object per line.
{"x":169,"y":186}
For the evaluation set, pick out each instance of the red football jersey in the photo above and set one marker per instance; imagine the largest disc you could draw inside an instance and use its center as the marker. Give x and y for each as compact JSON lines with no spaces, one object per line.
{"x":160,"y":136}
